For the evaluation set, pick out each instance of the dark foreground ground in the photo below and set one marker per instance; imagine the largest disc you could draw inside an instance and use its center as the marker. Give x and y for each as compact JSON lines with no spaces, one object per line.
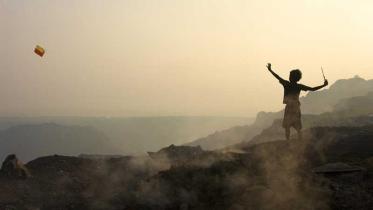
{"x":332,"y":168}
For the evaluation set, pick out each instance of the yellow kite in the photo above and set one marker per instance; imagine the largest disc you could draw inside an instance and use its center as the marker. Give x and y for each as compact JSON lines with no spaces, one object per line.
{"x":39,"y":50}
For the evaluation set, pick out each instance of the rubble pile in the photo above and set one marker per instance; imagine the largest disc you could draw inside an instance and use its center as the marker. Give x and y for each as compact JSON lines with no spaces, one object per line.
{"x":14,"y":168}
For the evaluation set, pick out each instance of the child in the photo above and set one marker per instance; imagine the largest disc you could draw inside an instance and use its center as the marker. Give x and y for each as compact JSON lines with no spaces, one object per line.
{"x":292,"y":115}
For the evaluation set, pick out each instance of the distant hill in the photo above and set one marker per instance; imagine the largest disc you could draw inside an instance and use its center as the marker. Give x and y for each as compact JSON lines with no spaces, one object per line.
{"x":340,"y":100}
{"x":31,"y":141}
{"x":137,"y":135}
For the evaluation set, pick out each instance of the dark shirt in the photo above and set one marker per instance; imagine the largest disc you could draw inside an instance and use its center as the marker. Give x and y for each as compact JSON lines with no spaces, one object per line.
{"x":292,"y":91}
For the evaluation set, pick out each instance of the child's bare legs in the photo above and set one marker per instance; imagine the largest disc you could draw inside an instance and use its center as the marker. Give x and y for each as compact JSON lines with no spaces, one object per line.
{"x":287,"y":133}
{"x":299,"y":131}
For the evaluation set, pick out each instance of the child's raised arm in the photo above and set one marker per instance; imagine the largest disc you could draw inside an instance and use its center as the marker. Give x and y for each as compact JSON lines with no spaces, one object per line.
{"x":269,"y":67}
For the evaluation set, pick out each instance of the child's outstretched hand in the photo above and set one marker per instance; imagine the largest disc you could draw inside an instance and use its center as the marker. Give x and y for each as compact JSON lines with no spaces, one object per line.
{"x":269,"y":66}
{"x":326,"y":82}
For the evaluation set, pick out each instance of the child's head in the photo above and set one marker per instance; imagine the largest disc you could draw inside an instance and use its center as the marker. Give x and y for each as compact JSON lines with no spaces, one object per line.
{"x":295,"y":75}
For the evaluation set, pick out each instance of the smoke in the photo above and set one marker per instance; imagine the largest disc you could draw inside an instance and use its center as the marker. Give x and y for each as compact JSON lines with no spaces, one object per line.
{"x":279,"y":174}
{"x":100,"y":184}
{"x":127,"y":183}
{"x":282,"y":179}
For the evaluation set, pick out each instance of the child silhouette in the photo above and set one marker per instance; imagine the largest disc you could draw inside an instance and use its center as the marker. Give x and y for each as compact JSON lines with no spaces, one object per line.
{"x":292,"y":115}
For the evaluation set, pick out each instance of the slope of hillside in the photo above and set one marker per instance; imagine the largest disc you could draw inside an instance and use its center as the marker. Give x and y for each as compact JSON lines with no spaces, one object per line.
{"x":220,"y":139}
{"x":236,"y":134}
{"x":356,"y":105}
{"x":31,"y":141}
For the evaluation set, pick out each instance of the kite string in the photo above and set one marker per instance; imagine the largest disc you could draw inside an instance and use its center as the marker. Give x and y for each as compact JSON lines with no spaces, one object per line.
{"x":322,"y":71}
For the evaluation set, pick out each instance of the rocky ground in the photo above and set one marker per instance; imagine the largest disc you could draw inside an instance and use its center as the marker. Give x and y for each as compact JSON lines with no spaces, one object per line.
{"x":332,"y":168}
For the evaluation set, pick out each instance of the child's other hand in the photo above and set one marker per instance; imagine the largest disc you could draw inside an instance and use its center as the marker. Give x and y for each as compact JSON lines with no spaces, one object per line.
{"x":326,"y":82}
{"x":269,"y":66}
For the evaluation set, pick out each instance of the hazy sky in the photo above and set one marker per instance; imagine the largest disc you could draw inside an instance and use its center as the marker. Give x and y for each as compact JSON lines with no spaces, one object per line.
{"x":173,"y":57}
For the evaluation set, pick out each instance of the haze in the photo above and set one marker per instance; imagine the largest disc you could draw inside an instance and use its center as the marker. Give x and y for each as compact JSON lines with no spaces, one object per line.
{"x":167,"y":57}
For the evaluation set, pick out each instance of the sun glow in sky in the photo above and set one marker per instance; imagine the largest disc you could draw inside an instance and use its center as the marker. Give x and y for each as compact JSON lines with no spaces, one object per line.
{"x":173,"y":57}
